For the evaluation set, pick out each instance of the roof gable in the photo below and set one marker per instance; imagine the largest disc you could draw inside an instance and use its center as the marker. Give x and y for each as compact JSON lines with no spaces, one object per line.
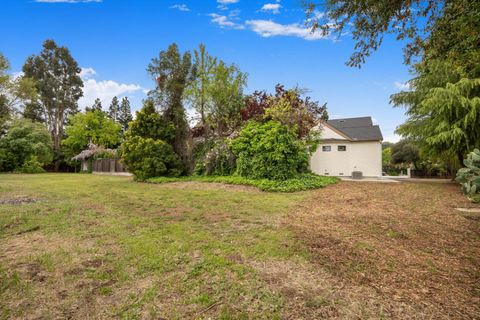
{"x":331,"y":133}
{"x":357,"y":129}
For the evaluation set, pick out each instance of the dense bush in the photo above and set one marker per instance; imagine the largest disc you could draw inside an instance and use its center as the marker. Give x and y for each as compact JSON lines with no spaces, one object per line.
{"x":269,"y":150}
{"x":150,"y":124}
{"x":146,"y":157}
{"x":23,"y":140}
{"x":217,"y":159}
{"x":469,"y":177}
{"x":146,"y":150}
{"x":32,"y":165}
{"x":301,"y":182}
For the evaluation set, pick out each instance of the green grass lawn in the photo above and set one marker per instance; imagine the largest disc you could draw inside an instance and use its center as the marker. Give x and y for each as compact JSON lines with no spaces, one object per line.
{"x":134,"y":250}
{"x":80,"y":246}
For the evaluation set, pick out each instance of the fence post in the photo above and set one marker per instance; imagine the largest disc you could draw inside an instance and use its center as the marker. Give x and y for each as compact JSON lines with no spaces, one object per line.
{"x":112,"y":165}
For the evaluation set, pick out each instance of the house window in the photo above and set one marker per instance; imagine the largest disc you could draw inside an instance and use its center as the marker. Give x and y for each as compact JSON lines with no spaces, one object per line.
{"x":342,"y":148}
{"x":326,"y":148}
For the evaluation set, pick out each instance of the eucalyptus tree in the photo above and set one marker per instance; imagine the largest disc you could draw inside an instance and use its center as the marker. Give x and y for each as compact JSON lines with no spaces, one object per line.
{"x":58,"y":83}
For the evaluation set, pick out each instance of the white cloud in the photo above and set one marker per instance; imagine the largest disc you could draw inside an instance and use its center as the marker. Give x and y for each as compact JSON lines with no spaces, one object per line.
{"x":181,"y":7}
{"x":87,"y":73}
{"x":394,"y":138}
{"x":223,"y":4}
{"x":402,"y":85}
{"x":105,"y":89}
{"x":16,"y":75}
{"x":271,"y":7}
{"x":227,"y":1}
{"x":67,"y":1}
{"x":225,"y":22}
{"x":268,"y":28}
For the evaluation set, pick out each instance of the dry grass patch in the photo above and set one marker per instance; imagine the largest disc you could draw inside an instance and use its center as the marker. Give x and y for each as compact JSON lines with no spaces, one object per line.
{"x":405,"y":241}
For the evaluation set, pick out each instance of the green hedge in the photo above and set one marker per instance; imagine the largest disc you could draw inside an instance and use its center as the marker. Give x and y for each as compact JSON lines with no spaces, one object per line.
{"x":269,"y":150}
{"x":304,"y":181}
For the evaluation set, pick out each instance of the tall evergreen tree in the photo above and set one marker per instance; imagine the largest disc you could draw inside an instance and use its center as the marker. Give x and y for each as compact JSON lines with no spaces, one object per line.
{"x":150,"y":124}
{"x":172,"y":72}
{"x":125,"y":114}
{"x":443,"y":103}
{"x":114,"y":109}
{"x":57,"y":80}
{"x":97,"y":106}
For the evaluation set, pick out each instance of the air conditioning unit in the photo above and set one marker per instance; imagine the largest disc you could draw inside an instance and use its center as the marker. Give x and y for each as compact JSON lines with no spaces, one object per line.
{"x":357,"y":175}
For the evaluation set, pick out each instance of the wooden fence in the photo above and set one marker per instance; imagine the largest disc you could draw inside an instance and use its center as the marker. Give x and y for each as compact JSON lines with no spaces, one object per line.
{"x":430,"y":174}
{"x":108,"y":165}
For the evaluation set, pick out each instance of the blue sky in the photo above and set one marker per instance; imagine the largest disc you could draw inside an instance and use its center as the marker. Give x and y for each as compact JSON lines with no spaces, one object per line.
{"x":114,"y":40}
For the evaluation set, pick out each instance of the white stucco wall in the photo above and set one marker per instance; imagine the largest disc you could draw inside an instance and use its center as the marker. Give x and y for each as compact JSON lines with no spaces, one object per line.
{"x":328,"y":133}
{"x":359,"y":156}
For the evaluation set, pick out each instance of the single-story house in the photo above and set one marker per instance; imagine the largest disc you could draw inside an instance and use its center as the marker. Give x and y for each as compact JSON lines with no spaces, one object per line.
{"x":347,"y":146}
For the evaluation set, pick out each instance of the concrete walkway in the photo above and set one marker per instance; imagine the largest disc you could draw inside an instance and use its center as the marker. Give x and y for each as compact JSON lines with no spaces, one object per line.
{"x":371,"y":179}
{"x":396,"y":179}
{"x":424,"y":180}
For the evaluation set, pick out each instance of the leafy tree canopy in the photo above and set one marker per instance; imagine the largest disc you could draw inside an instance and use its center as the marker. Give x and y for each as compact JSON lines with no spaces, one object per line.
{"x":15,"y":92}
{"x":226,"y":94}
{"x":369,"y":21}
{"x":24,"y":139}
{"x":286,"y":106}
{"x":405,"y":152}
{"x":90,"y":127}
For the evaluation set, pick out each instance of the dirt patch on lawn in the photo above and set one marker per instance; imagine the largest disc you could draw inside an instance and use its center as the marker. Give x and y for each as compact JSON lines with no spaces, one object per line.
{"x":196,"y":185}
{"x":17,"y":201}
{"x":406,"y":242}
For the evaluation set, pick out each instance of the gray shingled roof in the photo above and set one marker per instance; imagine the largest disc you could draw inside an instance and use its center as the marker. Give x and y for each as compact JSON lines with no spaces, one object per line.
{"x":358,"y":129}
